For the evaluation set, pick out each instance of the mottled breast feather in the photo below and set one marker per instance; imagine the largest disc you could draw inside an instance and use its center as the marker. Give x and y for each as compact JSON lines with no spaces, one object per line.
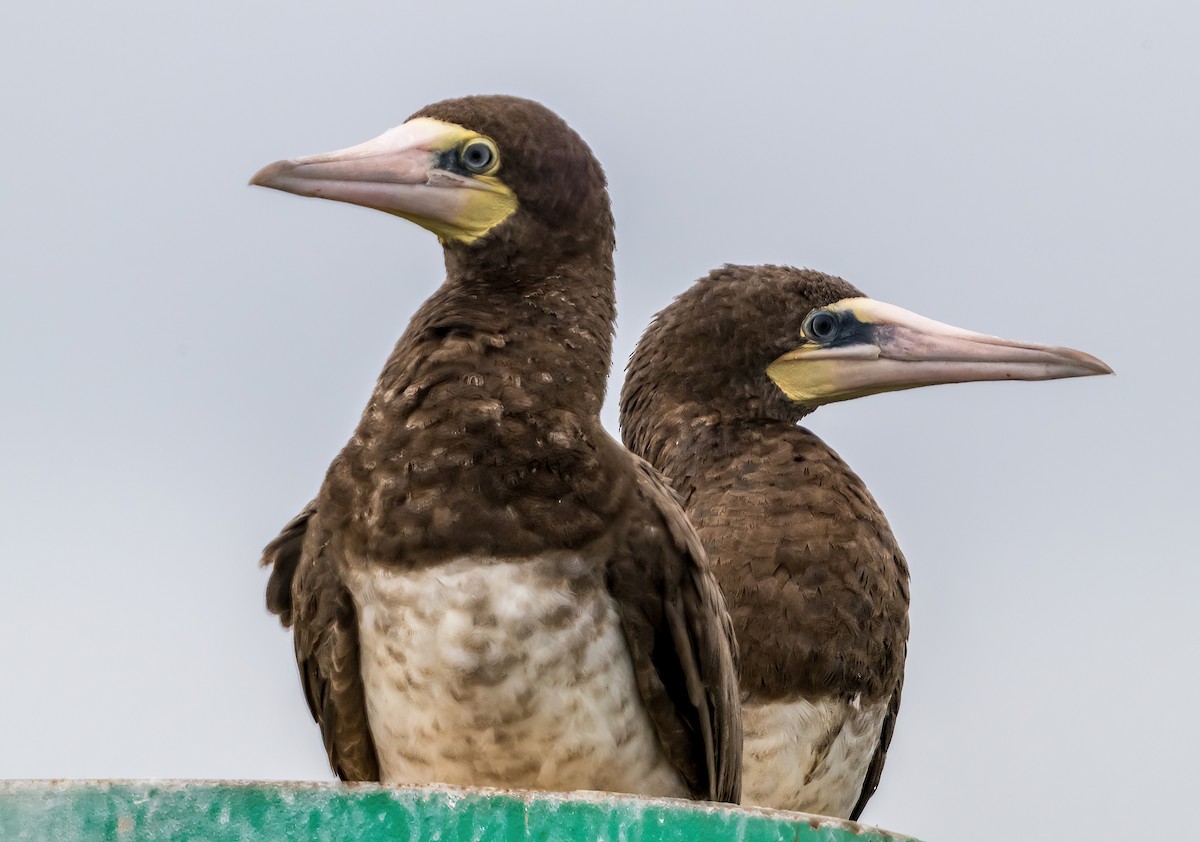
{"x":482,"y":440}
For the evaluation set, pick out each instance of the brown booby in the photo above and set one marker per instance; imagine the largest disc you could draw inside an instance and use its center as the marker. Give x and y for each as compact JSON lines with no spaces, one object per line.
{"x":814,"y":580}
{"x":489,"y":589}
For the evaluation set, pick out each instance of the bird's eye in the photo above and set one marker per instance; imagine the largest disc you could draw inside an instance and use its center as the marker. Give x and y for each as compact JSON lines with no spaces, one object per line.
{"x":821,"y":326}
{"x":480,"y":156}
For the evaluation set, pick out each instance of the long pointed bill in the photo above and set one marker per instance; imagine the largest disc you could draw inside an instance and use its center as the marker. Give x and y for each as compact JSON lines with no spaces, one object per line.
{"x":882,"y":348}
{"x":400,"y":172}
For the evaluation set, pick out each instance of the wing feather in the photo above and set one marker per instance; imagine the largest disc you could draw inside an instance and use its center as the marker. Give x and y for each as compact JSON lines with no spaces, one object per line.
{"x":307,"y":593}
{"x":680,"y":639}
{"x":875,"y":770}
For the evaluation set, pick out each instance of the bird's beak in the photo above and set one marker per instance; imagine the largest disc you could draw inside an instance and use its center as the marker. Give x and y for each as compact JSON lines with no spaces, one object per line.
{"x":882,"y":348}
{"x":402,"y":172}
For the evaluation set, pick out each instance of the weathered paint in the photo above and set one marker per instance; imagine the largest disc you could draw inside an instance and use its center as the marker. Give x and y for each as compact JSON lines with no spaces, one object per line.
{"x":227,"y":811}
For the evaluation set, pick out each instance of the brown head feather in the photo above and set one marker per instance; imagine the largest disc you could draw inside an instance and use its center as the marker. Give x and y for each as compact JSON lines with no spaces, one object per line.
{"x":563,"y":209}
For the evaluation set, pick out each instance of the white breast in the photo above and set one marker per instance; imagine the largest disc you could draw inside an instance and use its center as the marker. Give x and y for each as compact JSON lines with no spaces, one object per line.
{"x":496,"y":673}
{"x":808,"y":756}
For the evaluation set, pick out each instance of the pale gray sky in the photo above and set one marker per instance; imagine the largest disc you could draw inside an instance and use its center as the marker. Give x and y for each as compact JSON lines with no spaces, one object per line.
{"x":181,"y":355}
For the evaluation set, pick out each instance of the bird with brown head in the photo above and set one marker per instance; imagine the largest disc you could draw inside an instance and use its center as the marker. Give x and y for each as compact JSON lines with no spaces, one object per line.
{"x":814,"y":579}
{"x":488,"y":589}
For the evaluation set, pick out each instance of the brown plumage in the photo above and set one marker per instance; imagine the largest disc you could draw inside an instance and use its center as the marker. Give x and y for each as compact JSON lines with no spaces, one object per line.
{"x":816,"y":585}
{"x":817,"y":588}
{"x":481,"y":443}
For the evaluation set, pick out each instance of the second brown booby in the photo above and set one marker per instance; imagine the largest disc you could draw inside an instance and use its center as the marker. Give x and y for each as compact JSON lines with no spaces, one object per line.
{"x":488,"y":589}
{"x":814,"y":579}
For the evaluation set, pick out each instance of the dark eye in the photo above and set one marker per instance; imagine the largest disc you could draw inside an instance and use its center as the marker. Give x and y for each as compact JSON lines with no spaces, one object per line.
{"x":479,"y":156}
{"x":821,"y":326}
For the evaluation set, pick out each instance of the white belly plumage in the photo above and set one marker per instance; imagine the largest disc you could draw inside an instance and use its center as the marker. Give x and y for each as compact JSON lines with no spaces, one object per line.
{"x":808,"y":756}
{"x":498,"y":673}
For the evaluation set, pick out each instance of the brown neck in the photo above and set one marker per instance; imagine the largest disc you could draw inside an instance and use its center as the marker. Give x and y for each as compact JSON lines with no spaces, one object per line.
{"x":483,"y":433}
{"x":675,"y":395}
{"x":681,"y":440}
{"x":548,"y":335}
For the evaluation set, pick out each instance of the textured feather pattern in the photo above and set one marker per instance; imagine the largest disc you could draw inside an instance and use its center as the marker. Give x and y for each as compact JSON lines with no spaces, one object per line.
{"x":505,"y":673}
{"x":816,"y":585}
{"x":681,"y":638}
{"x":819,"y":604}
{"x":482,"y":440}
{"x":307,"y":593}
{"x":811,"y":755}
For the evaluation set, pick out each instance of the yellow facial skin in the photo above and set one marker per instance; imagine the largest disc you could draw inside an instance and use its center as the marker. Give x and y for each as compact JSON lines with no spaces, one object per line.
{"x":878,"y":347}
{"x":404,"y":172}
{"x":483,"y":211}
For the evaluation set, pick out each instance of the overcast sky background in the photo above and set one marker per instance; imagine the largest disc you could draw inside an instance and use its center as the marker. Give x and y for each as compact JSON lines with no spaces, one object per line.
{"x":181,"y":355}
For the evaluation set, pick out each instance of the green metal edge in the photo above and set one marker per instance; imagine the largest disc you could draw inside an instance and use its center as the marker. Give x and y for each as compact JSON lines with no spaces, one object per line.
{"x":235,"y":811}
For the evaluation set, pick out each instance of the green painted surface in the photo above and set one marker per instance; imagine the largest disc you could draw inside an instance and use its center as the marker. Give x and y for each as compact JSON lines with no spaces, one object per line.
{"x":209,"y":811}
